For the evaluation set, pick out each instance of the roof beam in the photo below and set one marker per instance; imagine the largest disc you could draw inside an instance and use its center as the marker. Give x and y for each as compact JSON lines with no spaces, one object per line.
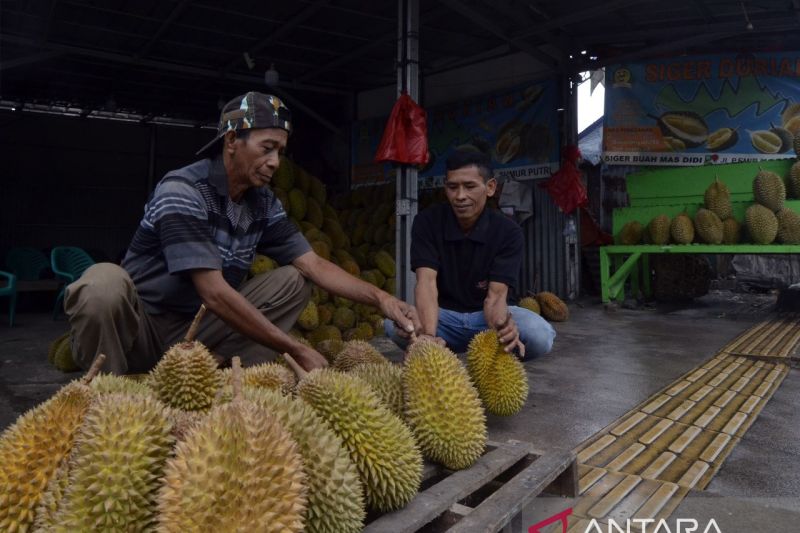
{"x":27,"y":60}
{"x":483,"y":21}
{"x":164,"y":65}
{"x":278,"y":34}
{"x":177,"y":11}
{"x":578,"y":15}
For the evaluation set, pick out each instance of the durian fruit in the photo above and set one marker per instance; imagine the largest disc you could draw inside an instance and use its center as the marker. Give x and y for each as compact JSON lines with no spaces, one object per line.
{"x":116,"y":466}
{"x":314,"y":213}
{"x":631,"y":233}
{"x":283,"y":178}
{"x":355,"y":353}
{"x":343,"y":318}
{"x":63,"y":359}
{"x":335,"y":493}
{"x":769,"y":190}
{"x":317,"y":190}
{"x":33,"y":448}
{"x":111,"y":384}
{"x":553,"y":308}
{"x":53,"y":347}
{"x":238,"y":469}
{"x":530,"y":303}
{"x":731,"y":231}
{"x":788,"y":226}
{"x":324,"y":333}
{"x":262,"y":264}
{"x":658,"y":229}
{"x":793,"y":182}
{"x":322,"y":249}
{"x":273,"y":376}
{"x":762,"y":224}
{"x":681,"y":229}
{"x":385,"y":264}
{"x":718,"y":199}
{"x":329,"y":348}
{"x":386,"y":381}
{"x":50,"y":502}
{"x":297,"y":203}
{"x":309,"y":318}
{"x":442,"y":406}
{"x":499,"y":376}
{"x":382,"y":447}
{"x":708,"y":226}
{"x":362,"y":331}
{"x":186,"y":377}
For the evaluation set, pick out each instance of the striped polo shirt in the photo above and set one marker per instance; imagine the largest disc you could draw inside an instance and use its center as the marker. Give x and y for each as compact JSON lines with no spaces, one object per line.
{"x":190,"y":222}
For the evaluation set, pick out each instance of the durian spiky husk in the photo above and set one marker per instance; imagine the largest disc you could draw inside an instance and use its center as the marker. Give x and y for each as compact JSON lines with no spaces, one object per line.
{"x":631,"y":233}
{"x":718,"y":199}
{"x":658,"y":229}
{"x":51,"y":499}
{"x":111,"y":384}
{"x":442,"y":406}
{"x":357,"y":352}
{"x":386,"y":381}
{"x":682,"y":229}
{"x":708,"y":226}
{"x":731,"y":231}
{"x":762,"y":224}
{"x":32,"y":449}
{"x":116,"y":466}
{"x":273,"y":376}
{"x":186,"y":377}
{"x":236,"y":470}
{"x":788,"y":226}
{"x":769,"y":190}
{"x":530,"y":303}
{"x":53,"y":347}
{"x":382,"y":447}
{"x":499,"y":377}
{"x":553,"y":308}
{"x":793,"y":179}
{"x":335,"y":493}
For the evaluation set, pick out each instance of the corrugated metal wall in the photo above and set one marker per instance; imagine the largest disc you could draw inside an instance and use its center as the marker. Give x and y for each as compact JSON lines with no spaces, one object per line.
{"x":548,"y":257}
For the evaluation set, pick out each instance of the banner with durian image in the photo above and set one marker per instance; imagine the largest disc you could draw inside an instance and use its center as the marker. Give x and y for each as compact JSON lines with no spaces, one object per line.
{"x":698,"y":110}
{"x":517,"y":128}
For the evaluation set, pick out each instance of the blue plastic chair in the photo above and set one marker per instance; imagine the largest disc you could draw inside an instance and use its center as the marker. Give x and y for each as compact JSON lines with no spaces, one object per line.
{"x":27,"y":264}
{"x":10,"y":290}
{"x":68,"y":264}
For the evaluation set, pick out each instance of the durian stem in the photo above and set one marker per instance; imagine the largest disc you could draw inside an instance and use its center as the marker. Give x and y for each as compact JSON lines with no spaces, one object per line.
{"x":94,"y":369}
{"x":299,"y":370}
{"x":192,"y":333}
{"x":236,"y":377}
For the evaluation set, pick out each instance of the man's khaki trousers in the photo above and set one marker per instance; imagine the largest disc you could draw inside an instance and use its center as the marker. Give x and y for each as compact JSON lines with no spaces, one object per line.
{"x":107,"y":316}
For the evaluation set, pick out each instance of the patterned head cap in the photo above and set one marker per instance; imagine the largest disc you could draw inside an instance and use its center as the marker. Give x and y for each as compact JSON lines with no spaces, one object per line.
{"x":250,"y":110}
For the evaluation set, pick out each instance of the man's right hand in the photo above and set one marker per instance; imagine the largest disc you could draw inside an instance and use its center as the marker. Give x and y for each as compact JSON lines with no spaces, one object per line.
{"x":309,"y":358}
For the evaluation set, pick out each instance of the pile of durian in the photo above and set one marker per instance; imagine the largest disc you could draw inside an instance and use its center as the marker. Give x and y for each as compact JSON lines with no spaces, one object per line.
{"x":766,"y":221}
{"x":191,"y":447}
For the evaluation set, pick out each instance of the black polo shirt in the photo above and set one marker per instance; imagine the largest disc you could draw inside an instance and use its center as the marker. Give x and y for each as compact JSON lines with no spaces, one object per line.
{"x":465,"y":264}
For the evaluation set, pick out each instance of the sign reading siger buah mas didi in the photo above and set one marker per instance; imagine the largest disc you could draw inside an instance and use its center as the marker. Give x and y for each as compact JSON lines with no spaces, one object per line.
{"x":703,"y":109}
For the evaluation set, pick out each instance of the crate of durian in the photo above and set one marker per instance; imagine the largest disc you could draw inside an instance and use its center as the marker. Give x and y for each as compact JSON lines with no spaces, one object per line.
{"x":191,"y":447}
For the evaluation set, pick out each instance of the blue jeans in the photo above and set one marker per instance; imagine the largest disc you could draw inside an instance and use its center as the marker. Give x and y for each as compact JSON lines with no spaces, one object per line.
{"x":457,"y":329}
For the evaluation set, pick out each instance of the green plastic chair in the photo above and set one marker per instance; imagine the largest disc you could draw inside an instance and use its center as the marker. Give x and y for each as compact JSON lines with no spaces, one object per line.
{"x":10,"y":290}
{"x":27,"y":263}
{"x":68,"y":264}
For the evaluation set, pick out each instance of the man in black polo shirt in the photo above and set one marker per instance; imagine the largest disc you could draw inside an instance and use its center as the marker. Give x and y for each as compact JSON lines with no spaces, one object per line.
{"x":467,"y":259}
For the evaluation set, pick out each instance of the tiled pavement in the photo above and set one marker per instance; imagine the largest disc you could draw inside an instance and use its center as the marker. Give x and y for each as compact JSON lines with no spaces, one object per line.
{"x":645,"y":464}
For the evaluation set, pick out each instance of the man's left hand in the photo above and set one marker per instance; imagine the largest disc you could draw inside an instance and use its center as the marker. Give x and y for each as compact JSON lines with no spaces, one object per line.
{"x":508,"y":335}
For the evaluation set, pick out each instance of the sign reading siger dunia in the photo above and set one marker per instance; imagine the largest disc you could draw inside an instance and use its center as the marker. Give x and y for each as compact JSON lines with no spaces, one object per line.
{"x":698,"y":110}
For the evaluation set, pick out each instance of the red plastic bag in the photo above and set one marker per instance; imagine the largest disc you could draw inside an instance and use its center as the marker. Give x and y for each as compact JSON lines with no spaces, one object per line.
{"x":405,"y":139}
{"x":565,"y":185}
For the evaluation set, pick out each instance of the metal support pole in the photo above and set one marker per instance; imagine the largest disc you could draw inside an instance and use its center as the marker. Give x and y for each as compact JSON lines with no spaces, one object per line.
{"x":571,"y":236}
{"x":406,"y":198}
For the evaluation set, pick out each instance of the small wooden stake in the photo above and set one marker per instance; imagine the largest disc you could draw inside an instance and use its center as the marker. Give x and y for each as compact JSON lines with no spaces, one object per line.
{"x":192,"y":332}
{"x":299,"y":370}
{"x":94,"y":369}
{"x":236,"y":377}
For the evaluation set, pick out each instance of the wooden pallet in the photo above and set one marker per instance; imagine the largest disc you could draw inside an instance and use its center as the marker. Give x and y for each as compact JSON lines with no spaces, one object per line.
{"x":486,"y":496}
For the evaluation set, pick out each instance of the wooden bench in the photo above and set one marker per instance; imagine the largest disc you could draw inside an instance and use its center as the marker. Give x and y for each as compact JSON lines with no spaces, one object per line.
{"x":486,"y":496}
{"x":670,"y":191}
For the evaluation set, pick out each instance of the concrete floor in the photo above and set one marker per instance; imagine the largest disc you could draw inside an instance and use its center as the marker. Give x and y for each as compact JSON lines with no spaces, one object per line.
{"x":603,"y":364}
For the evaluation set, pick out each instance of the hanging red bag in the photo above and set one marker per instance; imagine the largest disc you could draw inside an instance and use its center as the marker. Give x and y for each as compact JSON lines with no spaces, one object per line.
{"x":405,"y":139}
{"x":565,"y":185}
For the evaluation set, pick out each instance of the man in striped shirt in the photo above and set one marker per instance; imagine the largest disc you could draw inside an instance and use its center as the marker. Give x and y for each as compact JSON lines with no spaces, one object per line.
{"x":200,"y":232}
